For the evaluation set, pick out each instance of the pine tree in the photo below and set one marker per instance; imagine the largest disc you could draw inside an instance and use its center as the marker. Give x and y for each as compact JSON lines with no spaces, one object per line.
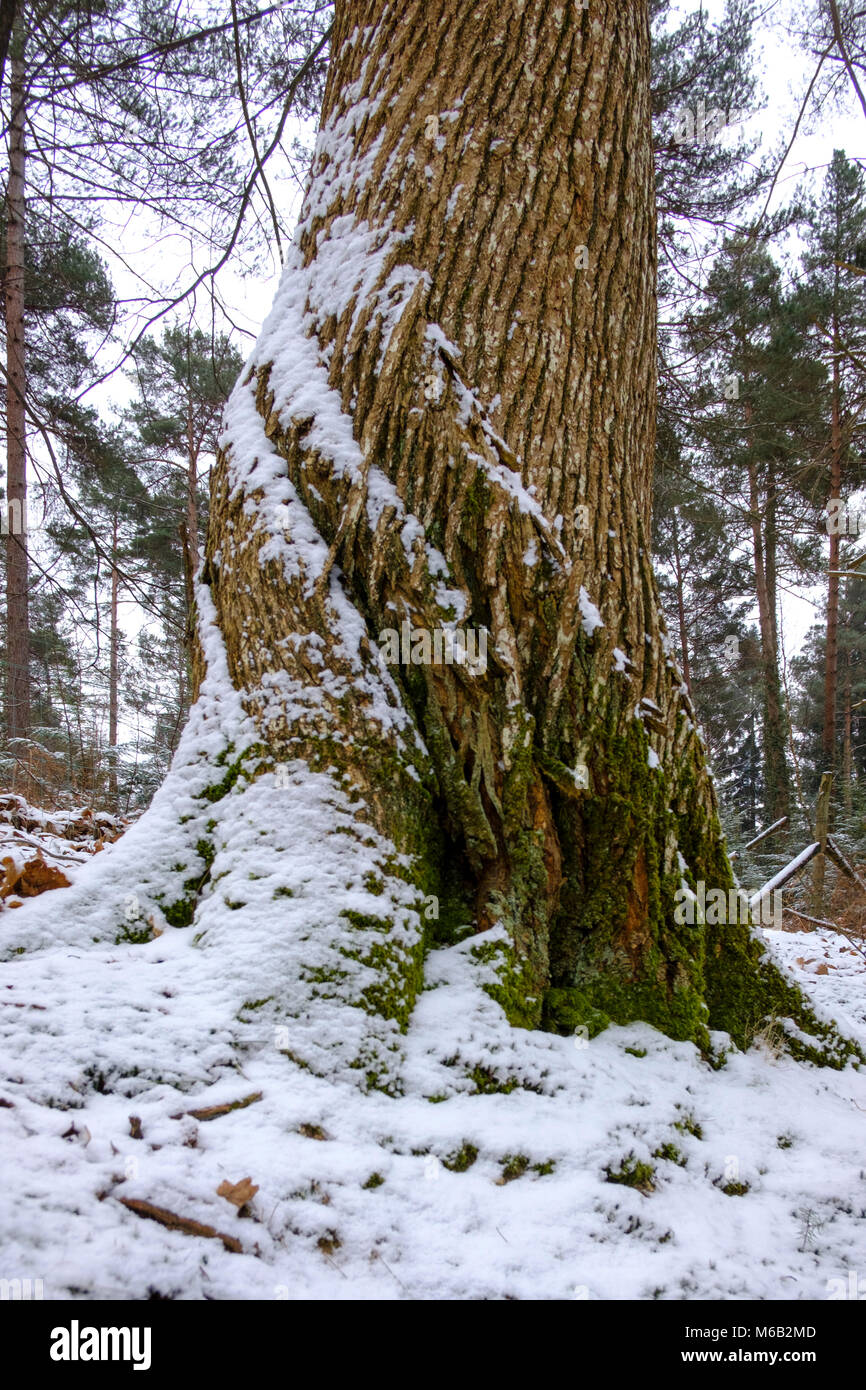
{"x":835,"y":303}
{"x":705,"y":591}
{"x":809,"y":669}
{"x":761,"y":395}
{"x":183,"y":383}
{"x":66,"y":301}
{"x":150,"y":133}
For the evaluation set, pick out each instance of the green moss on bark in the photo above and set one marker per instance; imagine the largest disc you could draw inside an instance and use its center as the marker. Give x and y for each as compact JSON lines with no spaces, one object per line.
{"x":617,"y":951}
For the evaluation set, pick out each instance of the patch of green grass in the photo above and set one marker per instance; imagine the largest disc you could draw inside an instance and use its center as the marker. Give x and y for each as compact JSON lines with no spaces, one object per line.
{"x":134,"y":936}
{"x":513,"y":1166}
{"x":633,"y":1173}
{"x":464,"y":1158}
{"x":670,"y":1153}
{"x":689,"y":1125}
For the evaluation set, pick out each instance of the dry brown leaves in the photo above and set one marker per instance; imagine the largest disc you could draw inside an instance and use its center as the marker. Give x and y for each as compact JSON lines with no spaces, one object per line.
{"x":30,"y":879}
{"x":238,"y":1193}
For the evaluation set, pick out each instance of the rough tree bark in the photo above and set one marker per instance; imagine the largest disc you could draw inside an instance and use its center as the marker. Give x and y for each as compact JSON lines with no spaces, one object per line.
{"x":448,"y":421}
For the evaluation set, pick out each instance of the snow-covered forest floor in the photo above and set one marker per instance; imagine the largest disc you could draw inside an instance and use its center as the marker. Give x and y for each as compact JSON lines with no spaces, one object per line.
{"x":208,"y":1073}
{"x":490,"y":1177}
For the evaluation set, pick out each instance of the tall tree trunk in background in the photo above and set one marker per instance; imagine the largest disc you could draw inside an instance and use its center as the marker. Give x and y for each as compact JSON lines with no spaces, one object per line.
{"x":778,"y":794}
{"x":188,"y":528}
{"x":681,"y":606}
{"x":831,"y":657}
{"x":771,"y":548}
{"x":777,"y":790}
{"x":848,"y":744}
{"x":447,"y":425}
{"x":753,"y":776}
{"x":17,"y":618}
{"x":113,"y":673}
{"x":192,"y":486}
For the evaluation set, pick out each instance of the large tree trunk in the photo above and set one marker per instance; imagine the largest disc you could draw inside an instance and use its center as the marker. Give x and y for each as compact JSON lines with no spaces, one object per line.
{"x":448,"y":422}
{"x":17,"y":621}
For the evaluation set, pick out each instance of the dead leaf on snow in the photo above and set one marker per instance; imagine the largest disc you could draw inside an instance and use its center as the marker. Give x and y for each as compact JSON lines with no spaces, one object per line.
{"x":312,"y":1131}
{"x":238,"y":1193}
{"x":30,"y":879}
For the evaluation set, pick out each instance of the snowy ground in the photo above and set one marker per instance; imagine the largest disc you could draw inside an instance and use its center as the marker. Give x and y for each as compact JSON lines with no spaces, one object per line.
{"x":489,"y":1176}
{"x":362,"y":1195}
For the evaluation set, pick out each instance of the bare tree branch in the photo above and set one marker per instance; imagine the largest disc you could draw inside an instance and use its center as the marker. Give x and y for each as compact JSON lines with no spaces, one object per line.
{"x":843,"y":49}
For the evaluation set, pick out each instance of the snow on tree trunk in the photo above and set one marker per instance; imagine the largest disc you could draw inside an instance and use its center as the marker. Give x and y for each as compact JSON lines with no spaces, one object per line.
{"x":447,"y":426}
{"x":446,"y":432}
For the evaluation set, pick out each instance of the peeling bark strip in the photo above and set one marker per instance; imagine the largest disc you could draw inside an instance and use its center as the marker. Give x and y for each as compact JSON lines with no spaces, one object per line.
{"x":449,"y":421}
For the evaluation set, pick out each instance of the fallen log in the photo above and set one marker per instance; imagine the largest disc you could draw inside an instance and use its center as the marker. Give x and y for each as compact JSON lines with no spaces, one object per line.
{"x":783,"y":875}
{"x":842,"y":863}
{"x":771,"y":830}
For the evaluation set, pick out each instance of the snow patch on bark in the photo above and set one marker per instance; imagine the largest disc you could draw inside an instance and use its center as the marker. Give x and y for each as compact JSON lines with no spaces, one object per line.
{"x":590,"y":616}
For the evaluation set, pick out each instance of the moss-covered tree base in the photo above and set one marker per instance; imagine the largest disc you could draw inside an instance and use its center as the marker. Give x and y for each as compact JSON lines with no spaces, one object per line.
{"x":460,"y":438}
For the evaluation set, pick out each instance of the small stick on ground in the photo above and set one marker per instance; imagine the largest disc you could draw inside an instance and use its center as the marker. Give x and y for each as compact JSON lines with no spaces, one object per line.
{"x":804,"y":917}
{"x":180,"y":1223}
{"x":834,"y":926}
{"x":213,"y":1112}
